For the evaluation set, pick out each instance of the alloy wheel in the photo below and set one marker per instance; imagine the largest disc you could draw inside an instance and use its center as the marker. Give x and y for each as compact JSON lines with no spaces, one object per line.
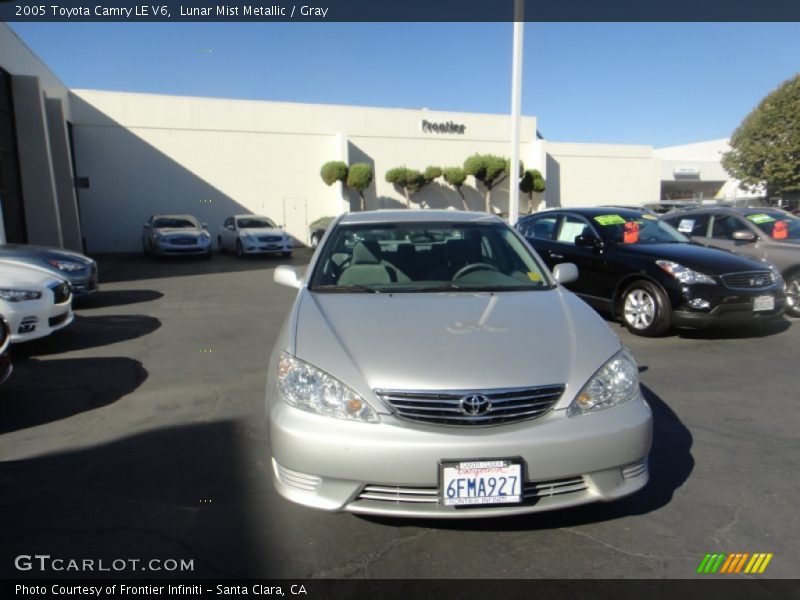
{"x":639,"y":309}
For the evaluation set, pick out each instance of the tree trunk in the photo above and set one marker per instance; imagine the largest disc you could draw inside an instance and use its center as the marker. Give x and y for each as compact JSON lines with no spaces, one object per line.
{"x":363,"y":201}
{"x":463,"y":199}
{"x":488,"y":200}
{"x":408,"y":197}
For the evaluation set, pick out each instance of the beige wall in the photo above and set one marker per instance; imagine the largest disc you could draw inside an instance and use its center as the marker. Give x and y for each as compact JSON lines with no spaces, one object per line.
{"x":145,"y":154}
{"x":597,"y":174}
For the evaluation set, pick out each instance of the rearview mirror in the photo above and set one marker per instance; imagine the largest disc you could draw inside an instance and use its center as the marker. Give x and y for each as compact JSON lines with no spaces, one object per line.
{"x":288,"y":276}
{"x":744,"y":236}
{"x":565,"y":273}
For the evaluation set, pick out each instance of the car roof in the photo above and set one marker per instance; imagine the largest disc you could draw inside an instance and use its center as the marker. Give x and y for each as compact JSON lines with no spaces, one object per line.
{"x":593,"y":211}
{"x":252,"y":217}
{"x":418,"y":216}
{"x":736,"y":210}
{"x":175,"y":217}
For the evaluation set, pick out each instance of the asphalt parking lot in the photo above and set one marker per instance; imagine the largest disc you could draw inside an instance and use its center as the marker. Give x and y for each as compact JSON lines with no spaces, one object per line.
{"x":138,"y":432}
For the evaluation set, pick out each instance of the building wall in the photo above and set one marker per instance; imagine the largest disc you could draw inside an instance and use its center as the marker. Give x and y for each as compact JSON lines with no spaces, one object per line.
{"x":145,"y":154}
{"x":597,"y":174}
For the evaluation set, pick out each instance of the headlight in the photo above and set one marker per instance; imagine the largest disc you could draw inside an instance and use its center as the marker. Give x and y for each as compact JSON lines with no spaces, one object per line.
{"x":309,"y":388}
{"x":66,"y":265}
{"x":615,"y":382}
{"x":205,"y":235}
{"x":684,"y":274}
{"x":11,"y":295}
{"x":775,"y":272}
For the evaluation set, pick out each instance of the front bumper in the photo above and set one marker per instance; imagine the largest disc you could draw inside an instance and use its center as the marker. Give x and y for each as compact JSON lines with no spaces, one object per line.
{"x":391,"y":468}
{"x":38,"y":320}
{"x":257,"y":247}
{"x":85,"y":283}
{"x":731,"y":307}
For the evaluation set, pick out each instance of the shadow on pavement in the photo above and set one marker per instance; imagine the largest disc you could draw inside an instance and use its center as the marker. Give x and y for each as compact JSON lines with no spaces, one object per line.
{"x":42,"y":392}
{"x":671,"y":463}
{"x":106,"y":298}
{"x":88,"y":332}
{"x":736,"y":332}
{"x":172,"y":493}
{"x":115,"y":268}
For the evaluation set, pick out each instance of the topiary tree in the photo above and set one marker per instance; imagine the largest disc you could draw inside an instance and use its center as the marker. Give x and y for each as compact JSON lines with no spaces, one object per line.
{"x":765,"y":148}
{"x":409,"y":180}
{"x":359,"y":178}
{"x":333,"y":171}
{"x":455,"y":176}
{"x":531,"y":182}
{"x":491,"y":171}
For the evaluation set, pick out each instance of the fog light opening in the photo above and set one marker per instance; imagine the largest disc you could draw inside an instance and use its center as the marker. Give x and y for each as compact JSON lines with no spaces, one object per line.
{"x":699,"y":303}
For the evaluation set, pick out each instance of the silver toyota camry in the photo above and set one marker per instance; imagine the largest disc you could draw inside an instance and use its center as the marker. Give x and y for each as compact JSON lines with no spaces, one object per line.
{"x":431,"y":366}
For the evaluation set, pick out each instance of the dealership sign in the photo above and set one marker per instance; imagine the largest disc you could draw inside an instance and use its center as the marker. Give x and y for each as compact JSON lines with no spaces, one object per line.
{"x":446,"y":127}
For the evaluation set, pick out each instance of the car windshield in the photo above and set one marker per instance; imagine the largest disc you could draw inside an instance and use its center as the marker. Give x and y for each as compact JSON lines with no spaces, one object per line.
{"x":426,"y":257}
{"x":777,"y":225}
{"x":174,"y":223}
{"x":255,"y":223}
{"x":630,"y":228}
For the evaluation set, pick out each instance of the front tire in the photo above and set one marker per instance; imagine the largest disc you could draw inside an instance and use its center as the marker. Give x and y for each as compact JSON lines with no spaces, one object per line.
{"x":239,"y":249}
{"x":793,"y":294}
{"x":220,"y":245}
{"x":645,"y":309}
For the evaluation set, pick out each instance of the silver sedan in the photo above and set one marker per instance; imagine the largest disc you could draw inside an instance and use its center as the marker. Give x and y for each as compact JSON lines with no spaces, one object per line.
{"x":431,"y":366}
{"x":175,"y":235}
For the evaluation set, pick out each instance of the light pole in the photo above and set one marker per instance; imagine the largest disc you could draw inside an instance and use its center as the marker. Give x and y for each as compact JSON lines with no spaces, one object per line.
{"x":516,"y":100}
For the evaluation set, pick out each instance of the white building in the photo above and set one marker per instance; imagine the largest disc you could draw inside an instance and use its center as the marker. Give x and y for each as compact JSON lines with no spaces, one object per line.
{"x":85,"y":169}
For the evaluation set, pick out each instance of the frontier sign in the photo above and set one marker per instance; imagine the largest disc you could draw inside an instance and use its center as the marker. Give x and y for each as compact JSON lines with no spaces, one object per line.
{"x":446,"y":127}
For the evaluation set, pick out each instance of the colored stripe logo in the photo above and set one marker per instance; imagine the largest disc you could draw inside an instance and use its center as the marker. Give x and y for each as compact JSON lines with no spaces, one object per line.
{"x":738,"y":562}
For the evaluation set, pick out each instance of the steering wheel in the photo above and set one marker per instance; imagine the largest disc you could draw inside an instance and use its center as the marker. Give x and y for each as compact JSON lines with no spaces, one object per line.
{"x":467,"y":269}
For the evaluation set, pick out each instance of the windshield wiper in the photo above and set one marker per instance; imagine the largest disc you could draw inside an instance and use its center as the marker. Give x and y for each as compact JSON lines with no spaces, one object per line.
{"x":346,"y":289}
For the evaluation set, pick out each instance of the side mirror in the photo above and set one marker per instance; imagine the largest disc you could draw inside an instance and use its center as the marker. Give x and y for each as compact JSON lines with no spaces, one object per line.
{"x":204,"y":225}
{"x":146,"y":225}
{"x":565,"y":273}
{"x":588,"y":241}
{"x":743,"y":235}
{"x":288,"y":276}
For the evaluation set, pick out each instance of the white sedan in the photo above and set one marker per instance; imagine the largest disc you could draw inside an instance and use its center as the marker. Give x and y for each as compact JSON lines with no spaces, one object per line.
{"x":248,"y":234}
{"x":34,"y":301}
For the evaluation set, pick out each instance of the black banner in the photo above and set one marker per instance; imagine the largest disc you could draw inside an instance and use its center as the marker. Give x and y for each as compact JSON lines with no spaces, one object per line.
{"x":399,"y":11}
{"x":399,"y":589}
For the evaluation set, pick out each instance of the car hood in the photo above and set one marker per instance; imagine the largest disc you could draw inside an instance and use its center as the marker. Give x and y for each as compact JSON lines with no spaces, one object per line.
{"x":453,"y":341}
{"x":177,"y":230}
{"x":15,"y":275}
{"x":711,"y":261}
{"x":262,"y":231}
{"x":41,"y":253}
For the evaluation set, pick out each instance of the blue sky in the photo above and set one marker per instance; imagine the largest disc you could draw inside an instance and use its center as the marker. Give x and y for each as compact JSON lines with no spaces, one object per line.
{"x":641,"y":83}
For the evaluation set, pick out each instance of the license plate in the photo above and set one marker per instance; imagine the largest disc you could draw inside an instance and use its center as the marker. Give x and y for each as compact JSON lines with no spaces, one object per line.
{"x":763,"y":303}
{"x":272,"y":246}
{"x":475,"y":482}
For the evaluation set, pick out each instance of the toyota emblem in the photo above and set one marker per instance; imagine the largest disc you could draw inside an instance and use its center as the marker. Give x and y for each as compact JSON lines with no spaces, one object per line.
{"x":475,"y":405}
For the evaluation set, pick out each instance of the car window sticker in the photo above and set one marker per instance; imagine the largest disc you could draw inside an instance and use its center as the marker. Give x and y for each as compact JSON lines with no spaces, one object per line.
{"x":534,"y":276}
{"x":609,"y":220}
{"x":649,"y":217}
{"x":686,"y":225}
{"x":631,"y":232}
{"x":760,"y":218}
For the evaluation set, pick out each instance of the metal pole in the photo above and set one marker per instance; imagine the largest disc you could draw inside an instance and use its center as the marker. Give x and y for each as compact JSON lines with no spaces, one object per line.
{"x":516,"y":100}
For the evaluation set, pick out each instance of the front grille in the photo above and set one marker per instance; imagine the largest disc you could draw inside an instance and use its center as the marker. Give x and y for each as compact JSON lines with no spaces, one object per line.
{"x":494,"y":407}
{"x":61,"y":293}
{"x":749,"y":280}
{"x":55,"y":321}
{"x":183,"y":241}
{"x":270,"y":238}
{"x":430,"y":495}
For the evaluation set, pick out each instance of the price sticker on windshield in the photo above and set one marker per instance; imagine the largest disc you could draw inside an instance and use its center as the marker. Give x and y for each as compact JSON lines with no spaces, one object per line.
{"x":758,"y":219}
{"x":610,"y":220}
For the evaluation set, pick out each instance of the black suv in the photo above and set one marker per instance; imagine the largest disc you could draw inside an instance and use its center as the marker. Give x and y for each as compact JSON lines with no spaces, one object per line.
{"x":641,"y":269}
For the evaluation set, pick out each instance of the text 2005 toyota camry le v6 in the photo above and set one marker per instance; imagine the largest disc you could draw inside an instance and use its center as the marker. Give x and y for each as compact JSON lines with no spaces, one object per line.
{"x":431,"y":366}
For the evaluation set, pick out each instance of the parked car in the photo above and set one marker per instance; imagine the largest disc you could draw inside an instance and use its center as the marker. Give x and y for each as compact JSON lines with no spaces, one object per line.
{"x":317,"y":229}
{"x":452,"y":378}
{"x":249,"y":234}
{"x":767,"y":234}
{"x":164,"y":235}
{"x":644,"y":209}
{"x":34,"y":301}
{"x":5,"y":341}
{"x":79,"y":270}
{"x":666,"y":206}
{"x":641,"y":269}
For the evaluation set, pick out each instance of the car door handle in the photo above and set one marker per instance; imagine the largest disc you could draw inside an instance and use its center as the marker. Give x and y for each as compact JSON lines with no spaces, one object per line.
{"x":555,"y":255}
